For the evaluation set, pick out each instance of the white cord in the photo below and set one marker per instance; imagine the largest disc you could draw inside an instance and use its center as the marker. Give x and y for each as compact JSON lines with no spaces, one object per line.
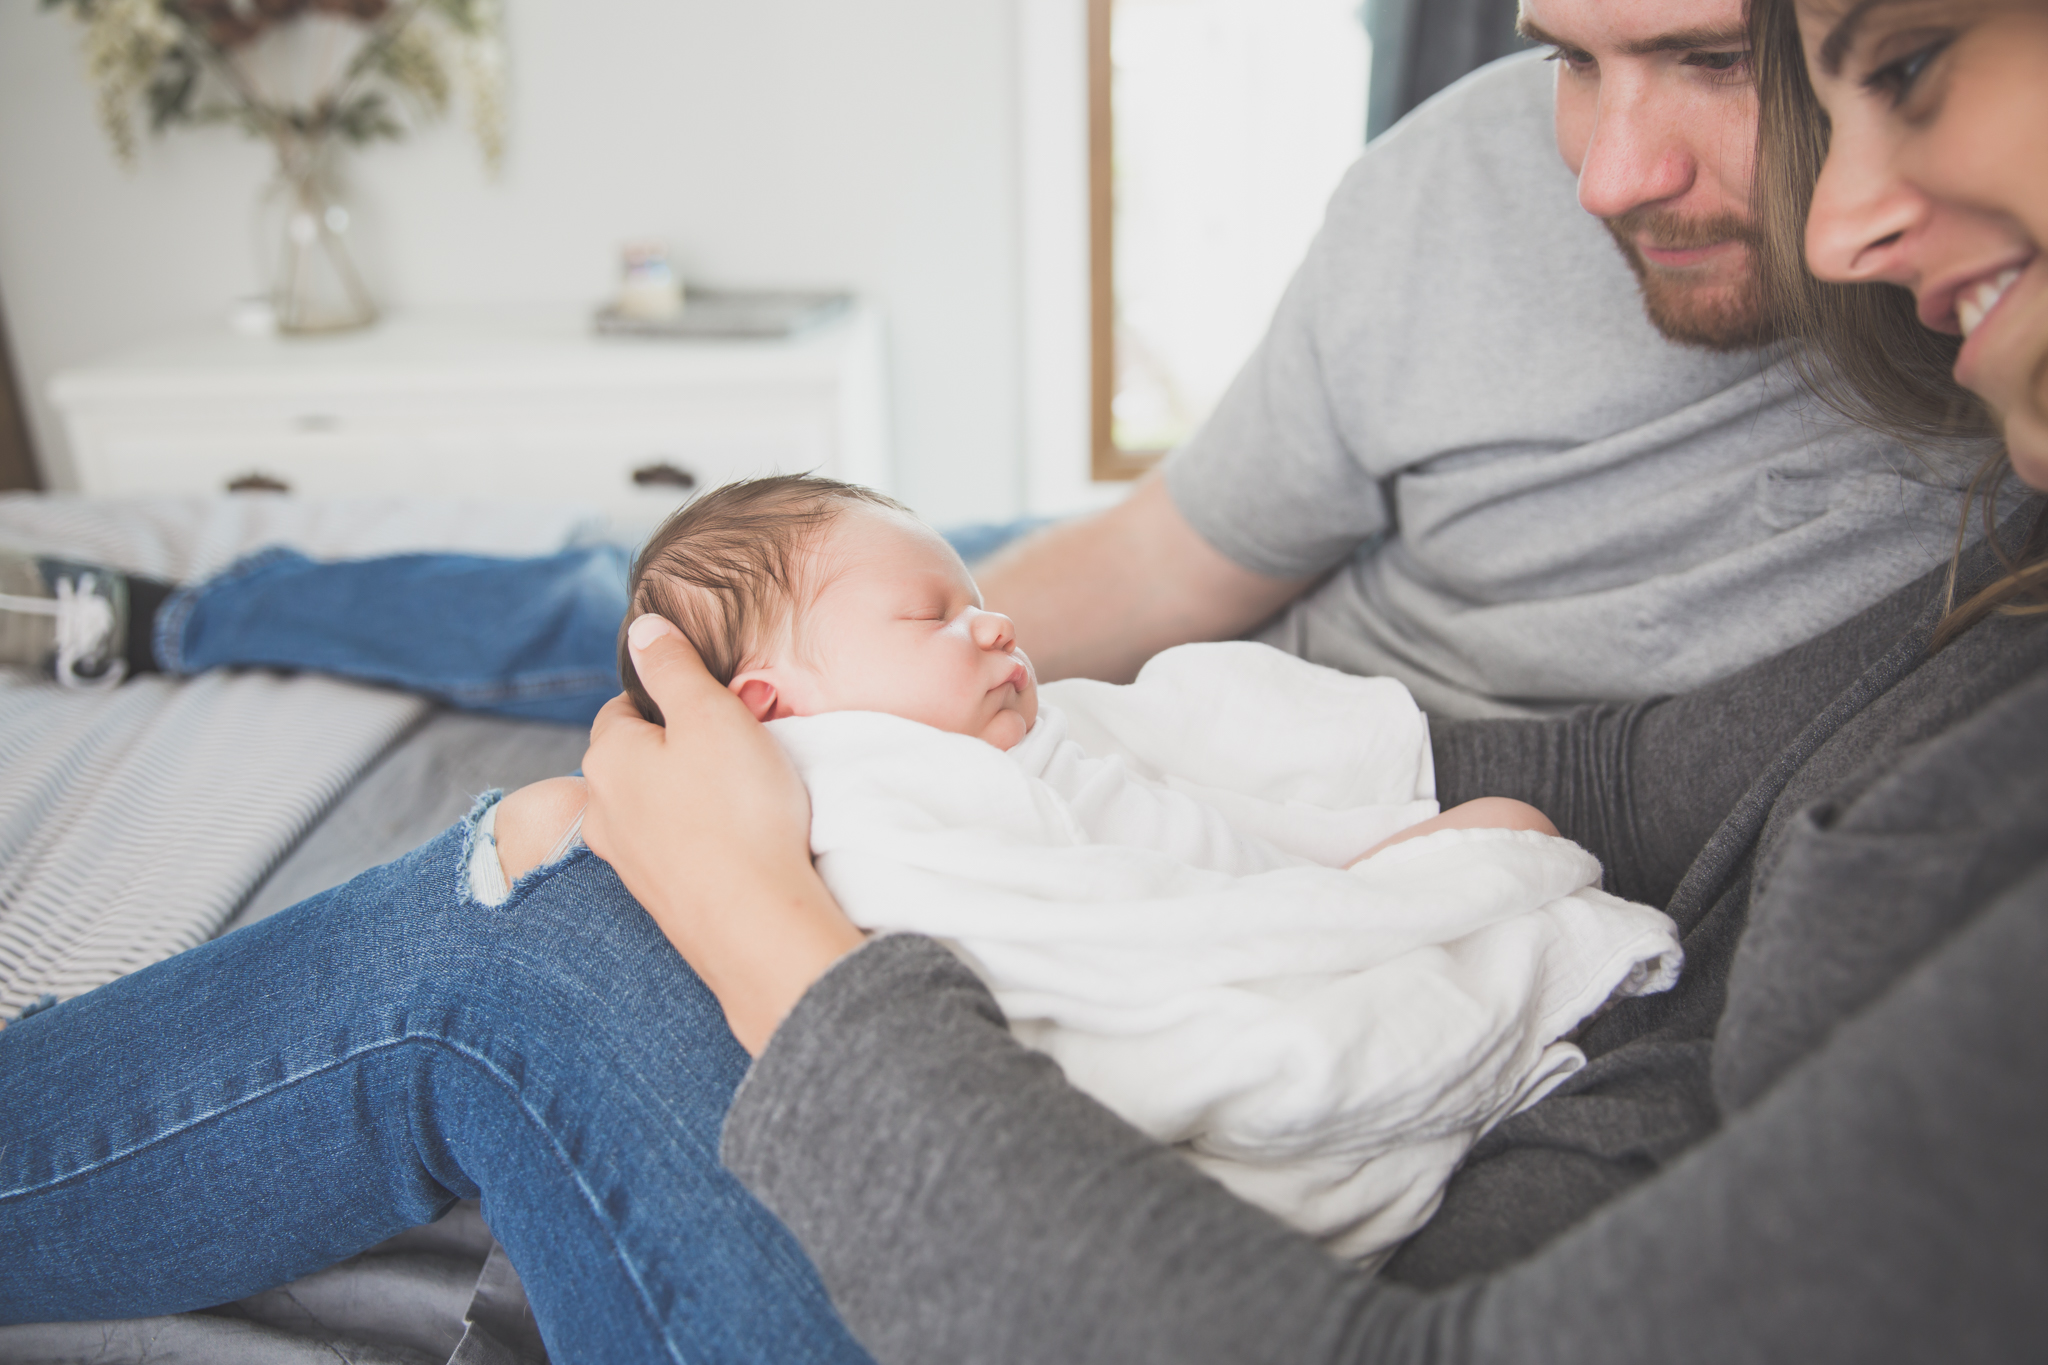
{"x":570,"y":838}
{"x":84,"y":621}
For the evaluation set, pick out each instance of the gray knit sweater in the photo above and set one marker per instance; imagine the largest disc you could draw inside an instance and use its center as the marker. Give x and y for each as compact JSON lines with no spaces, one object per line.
{"x":1825,"y":1145}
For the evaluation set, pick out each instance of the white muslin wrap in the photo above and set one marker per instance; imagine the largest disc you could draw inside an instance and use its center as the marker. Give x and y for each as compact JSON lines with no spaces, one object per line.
{"x":1153,"y":885}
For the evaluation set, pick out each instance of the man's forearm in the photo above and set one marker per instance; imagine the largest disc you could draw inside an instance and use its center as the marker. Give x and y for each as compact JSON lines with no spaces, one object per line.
{"x":1096,"y":597}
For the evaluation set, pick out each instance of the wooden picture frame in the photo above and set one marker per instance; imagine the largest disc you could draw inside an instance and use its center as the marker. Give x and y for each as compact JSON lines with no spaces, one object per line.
{"x":1107,"y":460}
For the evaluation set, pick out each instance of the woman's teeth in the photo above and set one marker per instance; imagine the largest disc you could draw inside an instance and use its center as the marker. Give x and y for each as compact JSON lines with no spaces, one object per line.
{"x":1973,"y":304}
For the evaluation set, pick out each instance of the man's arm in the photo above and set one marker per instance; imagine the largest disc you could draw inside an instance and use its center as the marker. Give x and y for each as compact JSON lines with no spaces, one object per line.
{"x":1097,"y":597}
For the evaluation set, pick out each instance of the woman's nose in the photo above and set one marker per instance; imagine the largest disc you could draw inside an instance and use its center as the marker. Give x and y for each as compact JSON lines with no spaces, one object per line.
{"x":991,"y":629}
{"x":1864,"y":215}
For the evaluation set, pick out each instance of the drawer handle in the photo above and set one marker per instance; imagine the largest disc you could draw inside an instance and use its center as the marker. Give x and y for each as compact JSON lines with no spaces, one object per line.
{"x":258,"y":483}
{"x":663,"y":475}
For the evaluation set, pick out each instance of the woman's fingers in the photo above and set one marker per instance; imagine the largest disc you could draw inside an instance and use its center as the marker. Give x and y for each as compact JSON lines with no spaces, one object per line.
{"x":669,"y":667}
{"x":708,"y":825}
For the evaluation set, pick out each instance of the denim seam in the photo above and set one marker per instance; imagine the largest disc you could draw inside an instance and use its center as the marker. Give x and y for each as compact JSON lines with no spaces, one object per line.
{"x":590,"y":1199}
{"x":169,"y":636}
{"x":530,"y":687}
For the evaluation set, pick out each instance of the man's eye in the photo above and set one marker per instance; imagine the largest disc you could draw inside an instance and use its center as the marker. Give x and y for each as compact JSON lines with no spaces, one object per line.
{"x":1895,"y":80}
{"x":1573,"y":58}
{"x":1719,"y":63}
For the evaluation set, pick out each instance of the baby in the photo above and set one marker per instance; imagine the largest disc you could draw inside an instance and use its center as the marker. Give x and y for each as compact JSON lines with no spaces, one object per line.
{"x":806,"y":595}
{"x":1188,"y":891}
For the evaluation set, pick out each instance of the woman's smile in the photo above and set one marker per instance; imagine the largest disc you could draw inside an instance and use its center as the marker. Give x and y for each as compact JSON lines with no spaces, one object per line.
{"x":1993,"y":316}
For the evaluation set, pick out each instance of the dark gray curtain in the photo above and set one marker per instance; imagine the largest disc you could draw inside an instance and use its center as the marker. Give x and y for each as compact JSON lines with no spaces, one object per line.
{"x":1421,"y":46}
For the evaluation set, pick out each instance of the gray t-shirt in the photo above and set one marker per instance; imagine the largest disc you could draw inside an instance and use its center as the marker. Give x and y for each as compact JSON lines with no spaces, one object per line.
{"x":1528,"y":497}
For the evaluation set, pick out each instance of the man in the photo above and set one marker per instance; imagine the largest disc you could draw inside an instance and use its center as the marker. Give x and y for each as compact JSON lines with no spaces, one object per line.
{"x":1481,"y":449}
{"x":1485,"y":451}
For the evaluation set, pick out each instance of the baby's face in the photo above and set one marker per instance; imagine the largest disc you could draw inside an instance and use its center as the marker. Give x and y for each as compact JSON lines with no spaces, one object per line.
{"x":896,"y":625}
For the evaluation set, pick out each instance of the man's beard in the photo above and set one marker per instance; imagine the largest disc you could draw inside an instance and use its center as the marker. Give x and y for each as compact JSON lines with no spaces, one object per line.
{"x":1691,"y":313}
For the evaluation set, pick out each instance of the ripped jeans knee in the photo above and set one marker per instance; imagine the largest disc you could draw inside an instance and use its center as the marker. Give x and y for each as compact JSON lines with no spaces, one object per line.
{"x":486,"y":883}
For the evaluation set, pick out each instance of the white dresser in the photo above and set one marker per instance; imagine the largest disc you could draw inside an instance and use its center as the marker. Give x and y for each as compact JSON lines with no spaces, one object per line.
{"x":521,"y":403}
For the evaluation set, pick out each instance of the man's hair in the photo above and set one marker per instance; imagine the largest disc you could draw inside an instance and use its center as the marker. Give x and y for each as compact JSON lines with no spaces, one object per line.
{"x":1861,"y":347}
{"x":724,"y":567}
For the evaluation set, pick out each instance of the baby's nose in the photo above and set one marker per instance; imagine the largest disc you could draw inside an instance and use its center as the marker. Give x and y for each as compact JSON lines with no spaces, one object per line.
{"x":992,"y":630}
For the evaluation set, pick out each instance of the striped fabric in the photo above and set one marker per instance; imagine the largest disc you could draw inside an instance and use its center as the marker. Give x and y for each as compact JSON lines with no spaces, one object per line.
{"x":181,"y":539}
{"x":134,"y":822}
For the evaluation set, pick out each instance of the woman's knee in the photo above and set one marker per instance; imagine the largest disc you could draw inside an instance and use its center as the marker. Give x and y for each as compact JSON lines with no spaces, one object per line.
{"x":532,"y":821}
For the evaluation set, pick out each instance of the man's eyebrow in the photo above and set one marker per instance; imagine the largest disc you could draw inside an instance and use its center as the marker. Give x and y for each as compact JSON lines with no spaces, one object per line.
{"x":1691,"y":40}
{"x":1680,"y":40}
{"x":1534,"y":32}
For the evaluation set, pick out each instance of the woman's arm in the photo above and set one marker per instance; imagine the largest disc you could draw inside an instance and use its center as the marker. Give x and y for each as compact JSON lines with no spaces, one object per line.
{"x":1642,"y":785}
{"x":750,"y":914}
{"x":963,"y":1203}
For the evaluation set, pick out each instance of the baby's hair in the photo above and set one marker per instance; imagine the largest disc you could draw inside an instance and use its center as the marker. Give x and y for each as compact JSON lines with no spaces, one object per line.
{"x":723,"y":567}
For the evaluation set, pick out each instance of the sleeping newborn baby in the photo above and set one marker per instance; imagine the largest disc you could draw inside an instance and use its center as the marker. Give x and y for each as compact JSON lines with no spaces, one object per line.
{"x":1222,"y":898}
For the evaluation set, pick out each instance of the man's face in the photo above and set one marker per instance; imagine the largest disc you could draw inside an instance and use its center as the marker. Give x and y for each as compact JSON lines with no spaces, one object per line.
{"x":1657,"y":118}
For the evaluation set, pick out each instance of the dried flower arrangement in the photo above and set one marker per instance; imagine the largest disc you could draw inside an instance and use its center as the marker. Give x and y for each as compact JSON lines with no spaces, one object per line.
{"x":377,"y":69}
{"x":184,"y":60}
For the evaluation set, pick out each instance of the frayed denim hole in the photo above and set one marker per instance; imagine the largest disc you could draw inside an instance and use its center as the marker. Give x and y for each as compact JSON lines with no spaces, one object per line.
{"x":469,"y":823}
{"x":534,"y":876}
{"x":529,"y":879}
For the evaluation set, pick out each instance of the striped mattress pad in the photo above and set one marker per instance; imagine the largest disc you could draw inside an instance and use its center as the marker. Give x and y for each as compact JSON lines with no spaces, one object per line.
{"x":134,"y":822}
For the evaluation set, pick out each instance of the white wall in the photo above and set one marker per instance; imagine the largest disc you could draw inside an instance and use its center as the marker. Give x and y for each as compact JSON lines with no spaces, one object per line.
{"x":771,"y":142}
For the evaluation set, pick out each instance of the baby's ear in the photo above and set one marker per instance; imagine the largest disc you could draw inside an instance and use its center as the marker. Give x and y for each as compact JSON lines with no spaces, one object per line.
{"x":757,"y":693}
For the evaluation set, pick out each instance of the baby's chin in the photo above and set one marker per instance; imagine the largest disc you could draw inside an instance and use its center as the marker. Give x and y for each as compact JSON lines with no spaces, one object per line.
{"x":1007,"y":728}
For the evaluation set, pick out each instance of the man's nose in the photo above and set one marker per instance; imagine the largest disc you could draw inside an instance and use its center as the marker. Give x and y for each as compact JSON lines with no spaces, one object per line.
{"x":991,"y":629}
{"x":1636,"y":155}
{"x":1864,"y":215}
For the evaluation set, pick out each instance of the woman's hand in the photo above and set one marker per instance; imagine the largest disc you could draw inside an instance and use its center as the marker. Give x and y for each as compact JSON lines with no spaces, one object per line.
{"x":708,"y":826}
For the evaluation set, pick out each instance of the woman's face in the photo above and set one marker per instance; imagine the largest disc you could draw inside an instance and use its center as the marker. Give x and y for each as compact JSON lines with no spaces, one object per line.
{"x":1937,"y":180}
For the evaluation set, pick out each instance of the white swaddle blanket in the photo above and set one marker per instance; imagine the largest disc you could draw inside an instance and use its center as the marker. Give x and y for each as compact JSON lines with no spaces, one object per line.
{"x":1152,"y":883}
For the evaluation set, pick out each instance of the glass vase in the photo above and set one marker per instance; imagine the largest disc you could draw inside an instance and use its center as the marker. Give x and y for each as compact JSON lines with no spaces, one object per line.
{"x":303,"y":235}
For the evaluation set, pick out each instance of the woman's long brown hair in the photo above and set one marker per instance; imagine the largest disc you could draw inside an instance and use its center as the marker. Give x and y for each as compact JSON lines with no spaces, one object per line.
{"x":1860,"y":347}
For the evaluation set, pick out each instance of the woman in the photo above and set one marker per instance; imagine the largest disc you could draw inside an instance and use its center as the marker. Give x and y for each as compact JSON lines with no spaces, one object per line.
{"x":1823,"y":1146}
{"x":1833,"y":1122}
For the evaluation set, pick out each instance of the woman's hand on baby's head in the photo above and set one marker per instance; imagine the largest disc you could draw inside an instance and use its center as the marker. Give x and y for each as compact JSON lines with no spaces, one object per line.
{"x":708,"y":825}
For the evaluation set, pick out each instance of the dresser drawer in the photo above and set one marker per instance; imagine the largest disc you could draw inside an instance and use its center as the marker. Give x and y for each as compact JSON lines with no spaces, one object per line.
{"x":633,"y":475}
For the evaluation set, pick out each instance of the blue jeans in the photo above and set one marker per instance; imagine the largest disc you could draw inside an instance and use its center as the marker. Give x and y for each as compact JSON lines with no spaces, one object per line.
{"x":533,"y":638}
{"x":299,"y":1090}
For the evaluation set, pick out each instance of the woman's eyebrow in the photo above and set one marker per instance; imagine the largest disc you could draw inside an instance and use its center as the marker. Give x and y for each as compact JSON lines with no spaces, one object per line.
{"x":1836,"y":45}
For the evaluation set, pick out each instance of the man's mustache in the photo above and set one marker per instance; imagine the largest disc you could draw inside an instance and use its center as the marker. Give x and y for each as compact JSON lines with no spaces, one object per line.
{"x":1668,"y":231}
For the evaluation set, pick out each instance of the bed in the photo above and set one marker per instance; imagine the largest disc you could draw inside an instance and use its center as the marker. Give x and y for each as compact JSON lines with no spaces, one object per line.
{"x":129,"y":830}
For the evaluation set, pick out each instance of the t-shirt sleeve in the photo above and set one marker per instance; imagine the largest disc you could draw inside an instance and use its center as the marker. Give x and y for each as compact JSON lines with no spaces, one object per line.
{"x":1269,"y":480}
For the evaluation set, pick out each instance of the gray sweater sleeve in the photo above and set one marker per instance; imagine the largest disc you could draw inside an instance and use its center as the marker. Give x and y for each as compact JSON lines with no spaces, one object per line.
{"x":1642,"y":785}
{"x":965,"y":1205}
